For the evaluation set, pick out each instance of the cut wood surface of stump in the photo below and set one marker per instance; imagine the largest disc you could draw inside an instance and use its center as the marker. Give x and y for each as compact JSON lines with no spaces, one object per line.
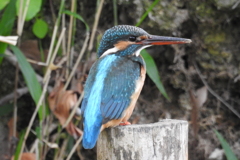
{"x":165,"y":140}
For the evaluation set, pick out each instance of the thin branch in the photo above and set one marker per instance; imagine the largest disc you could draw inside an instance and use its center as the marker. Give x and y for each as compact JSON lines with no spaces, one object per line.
{"x":214,"y":93}
{"x":63,"y":148}
{"x":78,"y":60}
{"x":74,"y":148}
{"x":64,"y":43}
{"x":9,"y":39}
{"x":52,"y":44}
{"x":12,"y":59}
{"x":22,"y":17}
{"x":34,"y":115}
{"x":48,"y":72}
{"x":73,"y":112}
{"x":52,"y":10}
{"x":44,"y":64}
{"x":70,"y":31}
{"x":20,"y":92}
{"x":115,"y":12}
{"x":15,"y":103}
{"x":95,"y":25}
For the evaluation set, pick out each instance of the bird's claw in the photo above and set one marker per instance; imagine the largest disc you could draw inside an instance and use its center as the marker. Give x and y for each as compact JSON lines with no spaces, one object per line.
{"x":124,"y":123}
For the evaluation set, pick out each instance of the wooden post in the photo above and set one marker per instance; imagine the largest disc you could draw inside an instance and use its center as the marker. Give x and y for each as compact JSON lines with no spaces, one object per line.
{"x":165,"y":140}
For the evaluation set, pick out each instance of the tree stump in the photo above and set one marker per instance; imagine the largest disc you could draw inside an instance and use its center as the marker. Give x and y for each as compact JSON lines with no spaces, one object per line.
{"x":165,"y":140}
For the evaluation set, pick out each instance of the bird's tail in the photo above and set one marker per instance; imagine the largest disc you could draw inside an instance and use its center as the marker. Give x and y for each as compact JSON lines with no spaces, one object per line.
{"x":90,"y":135}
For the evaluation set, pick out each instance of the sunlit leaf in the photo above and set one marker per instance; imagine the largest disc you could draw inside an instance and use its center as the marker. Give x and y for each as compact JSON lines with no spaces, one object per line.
{"x":153,"y":72}
{"x":3,"y":3}
{"x":75,"y":15}
{"x":33,"y":8}
{"x":30,"y":77}
{"x":6,"y":24}
{"x":40,"y":28}
{"x":227,"y":149}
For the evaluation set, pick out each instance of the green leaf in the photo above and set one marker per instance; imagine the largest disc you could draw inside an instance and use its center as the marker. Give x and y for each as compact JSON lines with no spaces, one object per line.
{"x":38,"y":132}
{"x":146,"y":13}
{"x":40,"y":28}
{"x":30,"y":78}
{"x":19,"y":146}
{"x":227,"y":149}
{"x":153,"y":72}
{"x":33,"y":8}
{"x":3,"y":3}
{"x":6,"y":24}
{"x":75,"y":15}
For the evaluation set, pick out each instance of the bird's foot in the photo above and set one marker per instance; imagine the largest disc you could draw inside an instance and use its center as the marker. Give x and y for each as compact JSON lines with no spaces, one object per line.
{"x":124,"y":123}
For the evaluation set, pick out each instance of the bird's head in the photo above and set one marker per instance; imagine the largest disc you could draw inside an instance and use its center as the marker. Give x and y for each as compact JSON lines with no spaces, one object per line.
{"x":125,"y":40}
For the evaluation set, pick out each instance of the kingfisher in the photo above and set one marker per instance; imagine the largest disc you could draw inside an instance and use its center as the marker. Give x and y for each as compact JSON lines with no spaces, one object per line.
{"x":116,"y":79}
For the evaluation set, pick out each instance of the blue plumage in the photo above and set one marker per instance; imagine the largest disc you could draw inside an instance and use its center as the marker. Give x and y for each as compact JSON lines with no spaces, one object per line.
{"x":106,"y":94}
{"x":116,"y":79}
{"x":93,"y":97}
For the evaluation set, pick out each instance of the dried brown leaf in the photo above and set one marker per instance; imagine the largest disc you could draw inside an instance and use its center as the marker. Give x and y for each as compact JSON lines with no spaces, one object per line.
{"x":61,"y":102}
{"x":27,"y":156}
{"x":31,"y":50}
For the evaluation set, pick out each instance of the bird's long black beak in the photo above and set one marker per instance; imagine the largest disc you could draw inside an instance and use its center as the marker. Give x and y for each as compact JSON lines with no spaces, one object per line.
{"x":162,"y":40}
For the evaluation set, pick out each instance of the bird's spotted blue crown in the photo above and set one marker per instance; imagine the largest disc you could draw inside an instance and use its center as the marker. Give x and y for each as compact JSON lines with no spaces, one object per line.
{"x":117,"y":33}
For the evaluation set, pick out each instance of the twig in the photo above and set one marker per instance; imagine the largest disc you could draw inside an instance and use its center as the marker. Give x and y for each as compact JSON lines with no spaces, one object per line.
{"x":70,"y":31}
{"x":73,"y":111}
{"x":20,"y":92}
{"x":115,"y":12}
{"x":9,"y":39}
{"x":44,"y":64}
{"x":74,"y":148}
{"x":52,"y":44}
{"x":34,"y":115}
{"x":95,"y":25}
{"x":78,"y":60}
{"x":15,"y":103}
{"x":12,"y":59}
{"x":63,"y":24}
{"x":52,"y":11}
{"x":63,"y":148}
{"x":22,"y":17}
{"x":214,"y":93}
{"x":48,"y":72}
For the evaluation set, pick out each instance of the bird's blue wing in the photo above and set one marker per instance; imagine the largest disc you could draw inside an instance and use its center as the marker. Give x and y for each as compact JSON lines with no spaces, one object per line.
{"x":119,"y":85}
{"x":108,"y":90}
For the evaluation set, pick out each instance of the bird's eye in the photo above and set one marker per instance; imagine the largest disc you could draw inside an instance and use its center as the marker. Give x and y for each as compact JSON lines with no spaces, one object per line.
{"x":132,"y":38}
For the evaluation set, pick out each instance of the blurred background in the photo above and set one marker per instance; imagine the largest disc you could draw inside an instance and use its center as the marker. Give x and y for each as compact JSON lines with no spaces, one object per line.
{"x":199,"y":82}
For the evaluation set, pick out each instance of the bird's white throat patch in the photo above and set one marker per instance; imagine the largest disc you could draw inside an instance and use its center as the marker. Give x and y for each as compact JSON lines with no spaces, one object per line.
{"x":109,"y":51}
{"x":115,"y":49}
{"x":137,"y":53}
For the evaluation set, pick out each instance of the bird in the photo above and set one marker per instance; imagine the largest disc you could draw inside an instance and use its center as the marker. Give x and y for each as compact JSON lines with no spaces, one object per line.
{"x":116,"y":79}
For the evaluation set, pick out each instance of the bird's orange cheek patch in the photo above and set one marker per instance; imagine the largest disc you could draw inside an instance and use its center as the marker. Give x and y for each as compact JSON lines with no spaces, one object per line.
{"x":121,"y":45}
{"x":143,"y":37}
